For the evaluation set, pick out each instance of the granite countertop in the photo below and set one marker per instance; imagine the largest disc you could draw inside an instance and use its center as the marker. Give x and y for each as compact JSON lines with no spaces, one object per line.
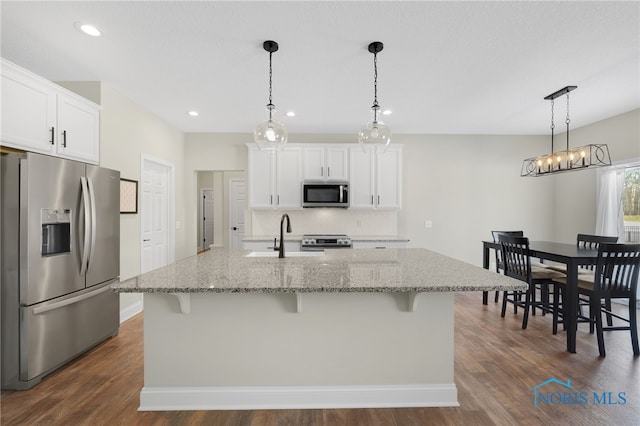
{"x":364,"y":270}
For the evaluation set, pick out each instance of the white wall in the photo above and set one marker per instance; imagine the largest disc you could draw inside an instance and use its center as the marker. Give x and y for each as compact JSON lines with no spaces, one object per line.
{"x":575,"y":192}
{"x":468,"y":185}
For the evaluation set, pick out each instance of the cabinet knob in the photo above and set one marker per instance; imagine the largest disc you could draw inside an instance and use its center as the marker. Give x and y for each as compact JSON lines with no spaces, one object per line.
{"x":64,"y":138}
{"x":53,"y":135}
{"x":235,"y":228}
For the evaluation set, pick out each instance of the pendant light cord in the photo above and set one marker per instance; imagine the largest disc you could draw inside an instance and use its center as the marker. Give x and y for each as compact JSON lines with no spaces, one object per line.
{"x":270,"y":106}
{"x":375,"y":88}
{"x":553,"y":126}
{"x":568,"y":121}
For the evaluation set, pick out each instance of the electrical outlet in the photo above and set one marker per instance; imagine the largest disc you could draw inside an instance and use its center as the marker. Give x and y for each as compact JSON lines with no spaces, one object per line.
{"x":428,"y":224}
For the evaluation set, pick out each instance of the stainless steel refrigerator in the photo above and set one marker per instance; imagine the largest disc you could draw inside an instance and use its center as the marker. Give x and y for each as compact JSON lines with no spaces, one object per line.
{"x":59,"y":253}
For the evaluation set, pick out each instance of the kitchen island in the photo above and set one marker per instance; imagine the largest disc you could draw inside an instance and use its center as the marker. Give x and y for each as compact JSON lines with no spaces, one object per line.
{"x":343,"y":328}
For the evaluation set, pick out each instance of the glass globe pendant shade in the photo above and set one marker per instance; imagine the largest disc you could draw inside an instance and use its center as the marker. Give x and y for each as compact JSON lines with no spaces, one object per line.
{"x":375,"y":134}
{"x":270,"y":135}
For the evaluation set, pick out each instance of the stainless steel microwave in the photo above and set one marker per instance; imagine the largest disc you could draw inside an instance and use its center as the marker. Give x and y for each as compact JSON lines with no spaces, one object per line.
{"x":325,"y":194}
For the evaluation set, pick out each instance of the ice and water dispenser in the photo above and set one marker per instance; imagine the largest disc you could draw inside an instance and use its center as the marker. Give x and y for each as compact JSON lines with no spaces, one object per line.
{"x":56,"y":231}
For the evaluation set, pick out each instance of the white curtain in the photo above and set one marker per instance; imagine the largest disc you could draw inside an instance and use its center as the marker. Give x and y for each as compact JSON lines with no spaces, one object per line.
{"x":610,"y":217}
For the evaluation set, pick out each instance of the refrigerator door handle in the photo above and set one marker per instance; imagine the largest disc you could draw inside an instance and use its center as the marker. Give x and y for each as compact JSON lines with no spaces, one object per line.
{"x":87,"y":219}
{"x":92,"y":197}
{"x":70,"y":301}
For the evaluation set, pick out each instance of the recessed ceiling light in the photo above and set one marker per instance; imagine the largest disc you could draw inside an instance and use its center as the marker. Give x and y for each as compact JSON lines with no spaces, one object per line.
{"x":193,"y":113}
{"x":387,"y":112}
{"x":88,"y":29}
{"x":291,"y":114}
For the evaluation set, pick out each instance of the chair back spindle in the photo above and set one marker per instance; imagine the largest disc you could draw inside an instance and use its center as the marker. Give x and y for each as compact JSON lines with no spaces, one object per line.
{"x":617,"y":269}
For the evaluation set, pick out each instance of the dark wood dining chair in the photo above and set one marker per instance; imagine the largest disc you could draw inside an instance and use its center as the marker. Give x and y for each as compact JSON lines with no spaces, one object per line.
{"x":499,"y":263}
{"x":517,"y":264}
{"x":591,"y":242}
{"x":615,"y":277}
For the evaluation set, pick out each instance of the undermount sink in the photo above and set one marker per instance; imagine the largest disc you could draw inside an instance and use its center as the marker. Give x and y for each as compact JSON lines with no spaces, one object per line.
{"x":286,"y":254}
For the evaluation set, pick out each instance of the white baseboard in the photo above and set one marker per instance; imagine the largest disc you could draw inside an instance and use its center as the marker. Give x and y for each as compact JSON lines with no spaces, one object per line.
{"x":281,"y":397}
{"x":130,"y":311}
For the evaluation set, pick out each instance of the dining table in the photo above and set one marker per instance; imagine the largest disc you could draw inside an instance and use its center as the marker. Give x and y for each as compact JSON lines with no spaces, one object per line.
{"x":568,"y":254}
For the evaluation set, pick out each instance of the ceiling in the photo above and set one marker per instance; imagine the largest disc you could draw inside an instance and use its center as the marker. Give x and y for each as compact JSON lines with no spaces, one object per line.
{"x":446,"y":67}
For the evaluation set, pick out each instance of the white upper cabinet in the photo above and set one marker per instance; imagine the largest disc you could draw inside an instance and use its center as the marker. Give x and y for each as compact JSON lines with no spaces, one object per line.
{"x":326,"y":162}
{"x":261,"y":176}
{"x":40,"y":116}
{"x":274,"y":178}
{"x":78,"y":129}
{"x":375,"y":179}
{"x":389,"y":179}
{"x":289,"y":178}
{"x":28,"y":111}
{"x":361,"y":178}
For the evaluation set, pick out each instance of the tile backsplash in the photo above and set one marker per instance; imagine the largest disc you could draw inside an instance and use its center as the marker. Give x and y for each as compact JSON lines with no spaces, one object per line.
{"x":324,"y":221}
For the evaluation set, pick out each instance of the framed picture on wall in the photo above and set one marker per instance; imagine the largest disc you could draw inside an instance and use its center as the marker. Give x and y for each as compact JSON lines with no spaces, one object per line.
{"x":128,"y":196}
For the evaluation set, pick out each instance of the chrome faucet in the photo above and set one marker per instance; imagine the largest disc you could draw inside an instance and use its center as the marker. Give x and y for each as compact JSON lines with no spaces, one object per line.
{"x":281,"y":248}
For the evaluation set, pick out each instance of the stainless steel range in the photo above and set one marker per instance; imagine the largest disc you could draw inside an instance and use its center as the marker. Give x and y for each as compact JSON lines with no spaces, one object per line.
{"x":318,"y":242}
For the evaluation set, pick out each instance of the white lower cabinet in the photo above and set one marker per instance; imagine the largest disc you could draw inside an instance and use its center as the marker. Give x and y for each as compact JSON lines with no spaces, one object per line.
{"x":40,"y":116}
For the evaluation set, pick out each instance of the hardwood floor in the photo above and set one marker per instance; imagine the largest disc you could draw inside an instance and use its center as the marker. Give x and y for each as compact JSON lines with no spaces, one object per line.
{"x":496,"y":366}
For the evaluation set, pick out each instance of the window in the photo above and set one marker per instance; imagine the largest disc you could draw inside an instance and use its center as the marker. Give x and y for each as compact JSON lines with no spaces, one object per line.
{"x":631,"y":204}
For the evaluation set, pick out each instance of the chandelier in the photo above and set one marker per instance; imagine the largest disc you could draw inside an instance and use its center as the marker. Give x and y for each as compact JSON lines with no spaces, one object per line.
{"x":592,"y":155}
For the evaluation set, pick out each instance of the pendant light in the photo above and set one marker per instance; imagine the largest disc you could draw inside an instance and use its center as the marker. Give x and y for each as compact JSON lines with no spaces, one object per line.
{"x":270,"y":134}
{"x":592,"y":155}
{"x":375,"y":133}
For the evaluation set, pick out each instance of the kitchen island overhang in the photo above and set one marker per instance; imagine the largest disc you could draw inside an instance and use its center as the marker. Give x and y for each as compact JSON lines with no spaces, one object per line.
{"x":352,"y":328}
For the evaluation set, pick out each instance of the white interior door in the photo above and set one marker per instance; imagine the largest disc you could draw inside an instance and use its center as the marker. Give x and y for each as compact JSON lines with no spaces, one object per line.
{"x":207,"y":218}
{"x":237,"y":202}
{"x":154,"y":209}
